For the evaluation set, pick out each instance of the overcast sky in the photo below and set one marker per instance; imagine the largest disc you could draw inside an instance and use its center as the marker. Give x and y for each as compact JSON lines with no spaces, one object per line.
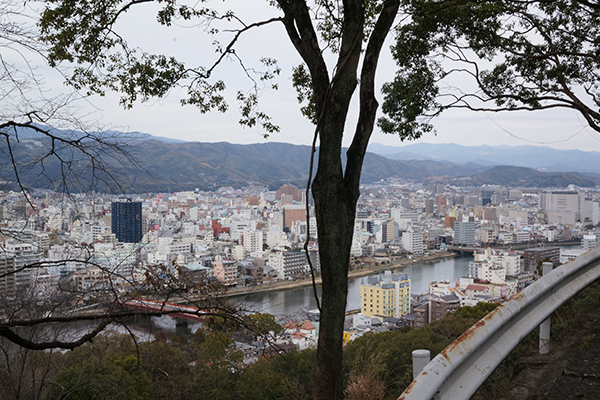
{"x":166,"y":117}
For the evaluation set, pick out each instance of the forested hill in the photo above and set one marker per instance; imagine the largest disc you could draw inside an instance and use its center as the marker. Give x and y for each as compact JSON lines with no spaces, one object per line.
{"x":167,"y":166}
{"x":542,"y":158}
{"x":171,"y":166}
{"x":527,"y":177}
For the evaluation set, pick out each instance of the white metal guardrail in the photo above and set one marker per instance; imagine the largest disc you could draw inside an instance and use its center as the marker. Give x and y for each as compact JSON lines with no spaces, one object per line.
{"x":460,"y":369}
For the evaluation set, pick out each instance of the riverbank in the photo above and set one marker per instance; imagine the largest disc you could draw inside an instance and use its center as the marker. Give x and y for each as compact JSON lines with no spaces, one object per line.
{"x":370,"y":270}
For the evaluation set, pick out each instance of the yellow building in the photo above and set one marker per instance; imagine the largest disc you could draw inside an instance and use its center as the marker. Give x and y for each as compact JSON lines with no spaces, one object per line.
{"x":389,"y":297}
{"x":349,"y":335}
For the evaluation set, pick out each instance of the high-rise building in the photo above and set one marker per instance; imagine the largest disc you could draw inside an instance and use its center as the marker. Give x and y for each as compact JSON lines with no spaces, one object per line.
{"x":412,"y":240}
{"x":252,"y":240}
{"x":127,"y":221}
{"x":293,"y":213}
{"x":388,"y":298}
{"x":296,"y":194}
{"x":464,"y":232}
{"x":388,"y":231}
{"x":429,"y":206}
{"x":568,"y":207}
{"x":23,"y":254}
{"x":7,"y":281}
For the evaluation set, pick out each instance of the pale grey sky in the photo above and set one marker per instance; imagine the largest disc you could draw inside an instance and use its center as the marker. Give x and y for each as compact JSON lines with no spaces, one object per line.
{"x":563,"y":129}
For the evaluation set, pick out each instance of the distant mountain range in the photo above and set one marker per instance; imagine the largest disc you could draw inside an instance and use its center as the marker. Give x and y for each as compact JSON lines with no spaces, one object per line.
{"x":213,"y":165}
{"x":542,"y":158}
{"x":168,"y":165}
{"x":527,"y":177}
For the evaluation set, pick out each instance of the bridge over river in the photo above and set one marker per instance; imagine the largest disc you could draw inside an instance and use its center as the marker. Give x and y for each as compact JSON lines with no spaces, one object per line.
{"x":512,"y":246}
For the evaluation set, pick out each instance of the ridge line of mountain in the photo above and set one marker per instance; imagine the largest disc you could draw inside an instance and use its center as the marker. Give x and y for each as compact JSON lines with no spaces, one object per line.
{"x":172,"y":166}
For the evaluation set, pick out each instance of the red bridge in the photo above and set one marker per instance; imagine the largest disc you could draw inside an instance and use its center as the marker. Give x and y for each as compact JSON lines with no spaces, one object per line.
{"x":173,"y":310}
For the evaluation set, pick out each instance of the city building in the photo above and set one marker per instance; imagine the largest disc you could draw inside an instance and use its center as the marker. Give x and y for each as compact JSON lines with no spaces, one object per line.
{"x":532,"y":257}
{"x":23,"y":254}
{"x":421,"y":313}
{"x":127,"y":221}
{"x":292,"y":191}
{"x":252,"y":240}
{"x":522,"y":236}
{"x":389,"y":297}
{"x":7,"y":281}
{"x":570,"y":254}
{"x":293,"y":213}
{"x":429,"y":206}
{"x":225,"y":271}
{"x":412,"y":240}
{"x":589,"y":242}
{"x":568,"y":207}
{"x":464,"y":233}
{"x":487,"y":235}
{"x":493,"y":265}
{"x":439,"y":306}
{"x":289,"y":264}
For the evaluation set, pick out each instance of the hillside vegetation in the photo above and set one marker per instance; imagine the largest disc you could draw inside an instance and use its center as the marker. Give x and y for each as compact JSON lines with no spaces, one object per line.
{"x":166,"y":166}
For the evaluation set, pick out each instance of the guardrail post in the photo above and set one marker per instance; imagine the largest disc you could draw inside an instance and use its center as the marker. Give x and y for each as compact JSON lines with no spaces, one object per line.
{"x":545,"y":326}
{"x":420,"y":360}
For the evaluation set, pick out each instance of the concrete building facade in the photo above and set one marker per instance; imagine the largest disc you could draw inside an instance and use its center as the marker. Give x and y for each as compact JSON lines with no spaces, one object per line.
{"x":464,"y":233}
{"x":389,"y":297}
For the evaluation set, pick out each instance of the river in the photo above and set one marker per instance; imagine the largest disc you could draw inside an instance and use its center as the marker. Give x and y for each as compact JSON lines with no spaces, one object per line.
{"x":291,"y":302}
{"x":295,"y":302}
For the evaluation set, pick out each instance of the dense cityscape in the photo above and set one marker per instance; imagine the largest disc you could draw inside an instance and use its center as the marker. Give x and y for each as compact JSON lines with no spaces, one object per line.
{"x":248,"y":237}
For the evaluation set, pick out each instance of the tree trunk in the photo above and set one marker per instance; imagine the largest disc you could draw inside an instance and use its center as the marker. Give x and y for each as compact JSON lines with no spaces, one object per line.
{"x":335,"y":208}
{"x":335,"y":211}
{"x":336,"y":192}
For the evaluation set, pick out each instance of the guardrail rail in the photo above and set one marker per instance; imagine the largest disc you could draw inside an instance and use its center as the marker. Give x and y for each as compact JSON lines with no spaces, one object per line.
{"x":460,"y":369}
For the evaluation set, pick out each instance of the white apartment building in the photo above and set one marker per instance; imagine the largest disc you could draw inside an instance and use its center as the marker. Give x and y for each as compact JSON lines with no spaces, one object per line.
{"x":43,"y":241}
{"x":568,"y":207}
{"x":493,"y":266}
{"x":356,"y":249}
{"x":412,"y":240}
{"x":209,"y":237}
{"x":238,"y":252}
{"x":548,"y":234}
{"x":252,"y":240}
{"x":522,"y":236}
{"x":23,"y":254}
{"x":567,"y":255}
{"x":404,"y":217}
{"x":464,"y":233}
{"x":506,"y":237}
{"x":589,"y":242}
{"x":288,"y":264}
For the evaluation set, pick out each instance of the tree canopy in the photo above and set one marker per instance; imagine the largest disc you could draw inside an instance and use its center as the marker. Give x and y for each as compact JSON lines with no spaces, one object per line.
{"x":514,"y":55}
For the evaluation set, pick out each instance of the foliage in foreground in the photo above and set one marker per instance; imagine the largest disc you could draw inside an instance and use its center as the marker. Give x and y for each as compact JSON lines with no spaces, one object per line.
{"x":208,"y":365}
{"x":383,"y":362}
{"x":205,"y":365}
